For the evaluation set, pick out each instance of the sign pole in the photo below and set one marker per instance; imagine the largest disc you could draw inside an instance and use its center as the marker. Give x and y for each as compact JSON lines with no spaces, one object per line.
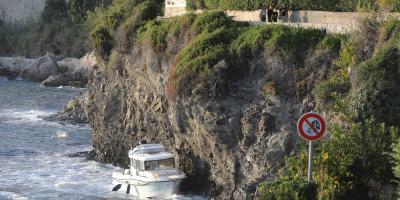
{"x":311,"y":127}
{"x":310,"y":164}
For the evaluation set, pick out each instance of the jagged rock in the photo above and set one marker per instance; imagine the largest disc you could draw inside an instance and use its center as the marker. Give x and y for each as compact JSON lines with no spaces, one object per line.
{"x":65,"y":80}
{"x":226,"y":135}
{"x":73,"y":112}
{"x":41,"y":69}
{"x":57,"y":80}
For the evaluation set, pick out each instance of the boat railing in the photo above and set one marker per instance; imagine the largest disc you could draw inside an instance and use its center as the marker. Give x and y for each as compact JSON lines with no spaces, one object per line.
{"x":147,"y":148}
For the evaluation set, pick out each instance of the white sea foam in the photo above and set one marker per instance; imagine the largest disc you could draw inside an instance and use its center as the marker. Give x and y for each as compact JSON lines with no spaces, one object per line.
{"x":15,"y":116}
{"x":33,"y":151}
{"x":65,"y":175}
{"x":61,"y":134}
{"x":11,"y":196}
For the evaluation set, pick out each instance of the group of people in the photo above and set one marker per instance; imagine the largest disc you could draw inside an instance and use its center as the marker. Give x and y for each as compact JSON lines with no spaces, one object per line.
{"x":273,"y":13}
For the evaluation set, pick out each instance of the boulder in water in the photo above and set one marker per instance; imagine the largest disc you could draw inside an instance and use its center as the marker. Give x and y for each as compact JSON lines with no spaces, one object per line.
{"x":65,"y":79}
{"x":4,"y":71}
{"x":41,"y":69}
{"x":57,"y":80}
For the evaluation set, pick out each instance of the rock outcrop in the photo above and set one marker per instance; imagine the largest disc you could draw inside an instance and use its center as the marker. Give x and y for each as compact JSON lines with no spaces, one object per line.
{"x":50,"y":70}
{"x":76,"y":72}
{"x":73,"y":112}
{"x":41,"y":69}
{"x":228,"y":113}
{"x":66,"y":79}
{"x":228,"y":135}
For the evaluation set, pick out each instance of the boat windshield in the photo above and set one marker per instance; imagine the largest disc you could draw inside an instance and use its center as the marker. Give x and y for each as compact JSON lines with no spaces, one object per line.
{"x":159,"y":164}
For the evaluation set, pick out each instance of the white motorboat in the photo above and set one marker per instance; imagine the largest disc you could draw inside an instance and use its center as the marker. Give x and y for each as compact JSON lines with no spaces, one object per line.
{"x":152,"y":173}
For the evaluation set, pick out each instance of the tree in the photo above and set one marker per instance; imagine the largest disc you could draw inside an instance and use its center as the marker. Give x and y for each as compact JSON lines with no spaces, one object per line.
{"x":54,"y":10}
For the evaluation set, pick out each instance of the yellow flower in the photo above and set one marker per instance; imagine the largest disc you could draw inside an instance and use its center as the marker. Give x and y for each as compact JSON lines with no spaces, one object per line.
{"x":325,"y":156}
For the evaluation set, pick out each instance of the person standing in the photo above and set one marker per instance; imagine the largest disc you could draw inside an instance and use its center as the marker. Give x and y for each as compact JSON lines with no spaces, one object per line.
{"x":270,"y":12}
{"x":263,"y":14}
{"x":283,"y":13}
{"x":274,"y":14}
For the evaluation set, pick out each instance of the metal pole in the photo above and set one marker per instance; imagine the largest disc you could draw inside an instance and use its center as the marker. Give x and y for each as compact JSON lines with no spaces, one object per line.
{"x":310,"y":164}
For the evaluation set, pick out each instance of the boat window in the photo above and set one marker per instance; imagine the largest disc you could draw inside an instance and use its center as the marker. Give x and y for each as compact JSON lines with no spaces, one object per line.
{"x":140,"y":165}
{"x":159,"y":164}
{"x":133,"y":163}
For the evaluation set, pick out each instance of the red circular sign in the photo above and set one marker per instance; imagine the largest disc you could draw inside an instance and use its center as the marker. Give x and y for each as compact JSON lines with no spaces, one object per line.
{"x":311,"y":126}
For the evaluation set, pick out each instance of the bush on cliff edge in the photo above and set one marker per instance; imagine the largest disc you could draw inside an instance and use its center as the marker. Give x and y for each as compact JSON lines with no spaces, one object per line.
{"x":355,"y":161}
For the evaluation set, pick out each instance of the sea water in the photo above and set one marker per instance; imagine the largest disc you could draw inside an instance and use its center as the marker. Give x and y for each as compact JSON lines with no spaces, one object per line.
{"x":35,"y":161}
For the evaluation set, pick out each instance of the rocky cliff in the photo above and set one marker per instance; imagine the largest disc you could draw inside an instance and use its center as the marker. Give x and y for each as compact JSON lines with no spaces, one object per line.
{"x":231,"y":123}
{"x":228,"y":133}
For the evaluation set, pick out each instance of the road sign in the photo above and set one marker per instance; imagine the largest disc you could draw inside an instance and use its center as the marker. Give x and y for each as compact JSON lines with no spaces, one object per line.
{"x":311,"y":126}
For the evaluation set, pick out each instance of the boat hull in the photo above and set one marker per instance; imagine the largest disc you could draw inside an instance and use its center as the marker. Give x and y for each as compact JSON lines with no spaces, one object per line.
{"x":155,"y":190}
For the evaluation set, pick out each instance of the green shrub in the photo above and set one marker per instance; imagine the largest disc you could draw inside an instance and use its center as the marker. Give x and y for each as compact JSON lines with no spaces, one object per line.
{"x":109,"y":17}
{"x":54,"y":10}
{"x":396,"y":161}
{"x":217,"y":37}
{"x":390,"y":30}
{"x":103,"y":42}
{"x":78,"y":9}
{"x":250,"y":41}
{"x":128,"y":15}
{"x":376,"y":86}
{"x":353,"y":163}
{"x":157,"y":33}
{"x":327,"y":91}
{"x":356,"y":161}
{"x":269,"y":89}
{"x":293,"y":41}
{"x":141,"y":13}
{"x":211,"y":21}
{"x":289,"y":190}
{"x":348,"y":57}
{"x":332,"y":42}
{"x":205,"y":51}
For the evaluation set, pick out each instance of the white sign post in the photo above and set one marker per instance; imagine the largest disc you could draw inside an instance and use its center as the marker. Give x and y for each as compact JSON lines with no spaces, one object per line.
{"x":312,"y":127}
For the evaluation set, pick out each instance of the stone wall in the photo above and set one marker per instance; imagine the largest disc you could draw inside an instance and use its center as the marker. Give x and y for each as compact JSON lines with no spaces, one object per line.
{"x":20,"y":11}
{"x":306,"y":16}
{"x":332,"y":22}
{"x":329,"y":28}
{"x":174,"y":11}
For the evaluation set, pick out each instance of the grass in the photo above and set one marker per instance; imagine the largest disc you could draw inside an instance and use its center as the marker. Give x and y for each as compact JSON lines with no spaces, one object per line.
{"x":216,"y":37}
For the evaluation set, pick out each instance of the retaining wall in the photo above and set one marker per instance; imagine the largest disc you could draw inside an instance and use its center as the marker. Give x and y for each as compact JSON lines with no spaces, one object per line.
{"x":332,"y":22}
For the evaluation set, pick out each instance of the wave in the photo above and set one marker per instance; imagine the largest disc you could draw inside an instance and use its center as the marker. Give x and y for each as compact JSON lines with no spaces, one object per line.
{"x":61,"y":134}
{"x":11,"y":196}
{"x":16,"y":116}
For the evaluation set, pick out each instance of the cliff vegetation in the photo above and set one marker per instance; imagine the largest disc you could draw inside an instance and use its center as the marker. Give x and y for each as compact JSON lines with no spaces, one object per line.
{"x":357,"y":159}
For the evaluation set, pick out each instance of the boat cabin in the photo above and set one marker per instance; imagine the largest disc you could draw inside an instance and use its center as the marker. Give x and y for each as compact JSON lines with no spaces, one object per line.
{"x":150,"y":157}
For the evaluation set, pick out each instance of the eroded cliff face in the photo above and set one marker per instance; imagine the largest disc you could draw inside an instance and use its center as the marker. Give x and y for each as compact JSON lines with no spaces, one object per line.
{"x":229,"y":131}
{"x":228,"y":135}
